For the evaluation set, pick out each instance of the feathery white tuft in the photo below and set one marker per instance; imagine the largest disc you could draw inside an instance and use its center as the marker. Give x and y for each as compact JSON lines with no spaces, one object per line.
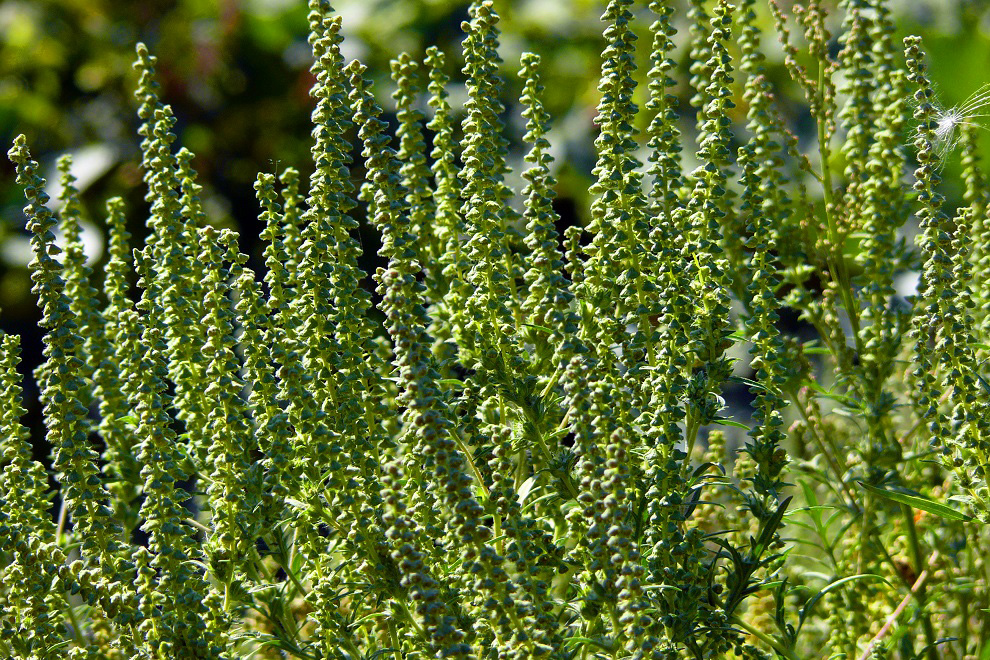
{"x":966,"y":114}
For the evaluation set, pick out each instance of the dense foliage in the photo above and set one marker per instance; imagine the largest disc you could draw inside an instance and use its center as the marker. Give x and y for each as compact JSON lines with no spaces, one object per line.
{"x":518,"y":445}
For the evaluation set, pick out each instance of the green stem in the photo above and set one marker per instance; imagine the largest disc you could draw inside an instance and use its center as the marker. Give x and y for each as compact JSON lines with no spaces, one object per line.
{"x":292,"y":577}
{"x":349,"y":643}
{"x":769,"y":641}
{"x":616,"y":631}
{"x":198,"y":525}
{"x":76,"y":630}
{"x":410,"y":617}
{"x":921,"y":592}
{"x":552,"y":382}
{"x":835,"y":260}
{"x":470,"y":459}
{"x":964,"y":622}
{"x":973,"y":538}
{"x":522,"y":629}
{"x":62,"y":516}
{"x":394,"y":636}
{"x":831,"y":460}
{"x":691,"y":428}
{"x":864,"y":531}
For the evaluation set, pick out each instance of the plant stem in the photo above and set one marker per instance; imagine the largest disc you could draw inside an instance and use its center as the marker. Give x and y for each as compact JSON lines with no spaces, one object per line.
{"x":920,"y":593}
{"x":394,"y":636}
{"x":470,"y":459}
{"x":76,"y":630}
{"x":410,"y":617}
{"x":769,"y":641}
{"x":834,"y":258}
{"x":832,"y":461}
{"x":892,"y":619}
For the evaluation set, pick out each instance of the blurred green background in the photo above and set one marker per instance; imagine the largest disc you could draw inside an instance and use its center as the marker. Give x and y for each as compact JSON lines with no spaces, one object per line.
{"x":236,"y":74}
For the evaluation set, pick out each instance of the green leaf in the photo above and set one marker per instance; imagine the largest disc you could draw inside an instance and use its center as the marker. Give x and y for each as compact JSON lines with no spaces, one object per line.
{"x":294,"y":502}
{"x":984,"y":383}
{"x":525,"y":489}
{"x":586,"y":641}
{"x":916,"y":501}
{"x":770,"y":527}
{"x":802,"y":615}
{"x":381,"y":652}
{"x":838,"y":398}
{"x":748,"y":381}
{"x":539,"y":327}
{"x":453,"y":382}
{"x":369,"y":617}
{"x":724,"y":421}
{"x":661,"y":587}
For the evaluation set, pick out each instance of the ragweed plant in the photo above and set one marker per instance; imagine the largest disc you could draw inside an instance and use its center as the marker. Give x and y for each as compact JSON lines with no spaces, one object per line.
{"x":522,"y":447}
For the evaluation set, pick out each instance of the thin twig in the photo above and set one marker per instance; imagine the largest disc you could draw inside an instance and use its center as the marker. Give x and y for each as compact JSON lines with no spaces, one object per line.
{"x":918,"y":584}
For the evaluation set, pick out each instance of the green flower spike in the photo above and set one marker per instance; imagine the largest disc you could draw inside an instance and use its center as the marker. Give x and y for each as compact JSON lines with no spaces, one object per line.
{"x":333,"y":306}
{"x":767,"y":351}
{"x":414,"y":169}
{"x":449,"y":226}
{"x":172,"y":602}
{"x":233,"y":492}
{"x":857,"y":117}
{"x":492,"y":319}
{"x":31,"y":611}
{"x":938,"y":326}
{"x":110,"y":377}
{"x":882,"y":324}
{"x":81,"y":294}
{"x":75,"y":462}
{"x":426,"y":421}
{"x":977,"y":195}
{"x":702,"y":254}
{"x":169,"y":274}
{"x":664,"y":142}
{"x":548,"y":296}
{"x":262,"y":345}
{"x":618,"y":253}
